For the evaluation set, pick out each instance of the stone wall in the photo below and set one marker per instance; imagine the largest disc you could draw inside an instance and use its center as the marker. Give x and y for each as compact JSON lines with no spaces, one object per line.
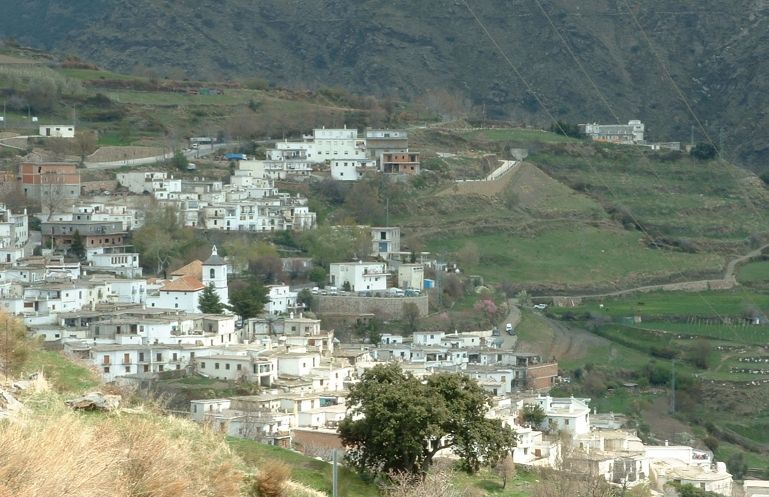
{"x":386,"y":307}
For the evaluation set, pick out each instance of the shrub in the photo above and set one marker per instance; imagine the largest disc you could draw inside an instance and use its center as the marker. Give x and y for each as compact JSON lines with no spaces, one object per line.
{"x":271,"y":480}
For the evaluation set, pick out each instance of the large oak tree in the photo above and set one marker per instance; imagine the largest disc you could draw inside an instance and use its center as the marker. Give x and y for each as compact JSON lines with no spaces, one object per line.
{"x":397,"y":422}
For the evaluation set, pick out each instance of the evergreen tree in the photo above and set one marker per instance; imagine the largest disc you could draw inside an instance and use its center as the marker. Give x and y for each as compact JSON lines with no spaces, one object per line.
{"x":78,"y":246}
{"x":247,"y":298}
{"x":209,"y":301}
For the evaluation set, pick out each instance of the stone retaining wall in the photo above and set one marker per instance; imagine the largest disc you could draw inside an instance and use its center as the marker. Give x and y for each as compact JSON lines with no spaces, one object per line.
{"x":386,"y":307}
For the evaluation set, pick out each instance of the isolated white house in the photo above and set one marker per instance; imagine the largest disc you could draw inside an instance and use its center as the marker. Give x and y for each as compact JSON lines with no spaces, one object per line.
{"x":57,"y":130}
{"x":361,"y":276}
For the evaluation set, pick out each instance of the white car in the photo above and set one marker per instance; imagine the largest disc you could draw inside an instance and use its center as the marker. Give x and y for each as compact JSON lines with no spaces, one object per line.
{"x":540,"y":307}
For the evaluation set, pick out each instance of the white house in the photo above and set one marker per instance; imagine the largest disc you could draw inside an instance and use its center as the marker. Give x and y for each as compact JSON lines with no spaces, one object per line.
{"x":14,"y":234}
{"x":360,"y":276}
{"x":130,"y":291}
{"x":57,"y":130}
{"x":234,"y":367}
{"x":150,"y":182}
{"x":567,"y":414}
{"x":125,"y":265}
{"x":428,"y":338}
{"x":114,"y":361}
{"x":349,"y":169}
{"x":626,"y":134}
{"x":281,"y":299}
{"x":327,"y":144}
{"x":385,"y":241}
{"x":411,"y":276}
{"x":182,"y":293}
{"x":297,"y":364}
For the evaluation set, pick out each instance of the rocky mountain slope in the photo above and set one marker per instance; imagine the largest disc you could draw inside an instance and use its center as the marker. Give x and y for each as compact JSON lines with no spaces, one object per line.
{"x":627,"y":49}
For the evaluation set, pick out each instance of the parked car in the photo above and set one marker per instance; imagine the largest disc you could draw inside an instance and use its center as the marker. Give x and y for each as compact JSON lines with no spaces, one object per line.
{"x":509,"y":328}
{"x":540,"y":307}
{"x":395,"y":292}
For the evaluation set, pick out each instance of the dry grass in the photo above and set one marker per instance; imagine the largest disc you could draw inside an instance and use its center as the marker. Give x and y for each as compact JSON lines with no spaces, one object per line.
{"x":51,"y":451}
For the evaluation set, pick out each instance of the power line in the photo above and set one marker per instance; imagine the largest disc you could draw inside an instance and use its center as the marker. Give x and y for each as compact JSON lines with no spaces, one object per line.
{"x":557,"y":124}
{"x":579,"y":64}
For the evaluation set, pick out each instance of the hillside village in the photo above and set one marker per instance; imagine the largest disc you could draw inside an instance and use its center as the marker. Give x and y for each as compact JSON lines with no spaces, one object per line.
{"x":78,"y":285}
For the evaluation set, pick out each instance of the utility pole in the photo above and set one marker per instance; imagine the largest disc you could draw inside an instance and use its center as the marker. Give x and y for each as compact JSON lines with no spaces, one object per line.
{"x":335,"y":477}
{"x":721,"y":143}
{"x":691,"y":140}
{"x":673,"y":385}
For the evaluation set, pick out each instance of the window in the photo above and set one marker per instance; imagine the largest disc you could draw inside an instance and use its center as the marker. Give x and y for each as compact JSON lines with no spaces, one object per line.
{"x":212,"y":273}
{"x":128,"y":369}
{"x":159,"y":356}
{"x":216,"y":365}
{"x":227,"y":366}
{"x":106,"y":369}
{"x":146,"y":368}
{"x":202,"y":365}
{"x":566,"y":422}
{"x":160,"y":368}
{"x":141,"y":356}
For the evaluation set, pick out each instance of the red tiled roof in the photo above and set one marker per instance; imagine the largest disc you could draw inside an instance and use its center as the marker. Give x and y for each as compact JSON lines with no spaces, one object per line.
{"x":194,"y":268}
{"x":183,"y":284}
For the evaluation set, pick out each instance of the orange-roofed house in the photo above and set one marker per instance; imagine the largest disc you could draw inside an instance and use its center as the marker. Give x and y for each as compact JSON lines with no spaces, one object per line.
{"x":181,"y":293}
{"x":187,"y":283}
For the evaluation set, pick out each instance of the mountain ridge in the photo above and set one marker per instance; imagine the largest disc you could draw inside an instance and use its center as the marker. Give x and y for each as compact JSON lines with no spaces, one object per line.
{"x":402,"y":49}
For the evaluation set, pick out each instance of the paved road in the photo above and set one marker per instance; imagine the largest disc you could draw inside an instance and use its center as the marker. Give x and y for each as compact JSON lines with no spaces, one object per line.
{"x":514,"y":318}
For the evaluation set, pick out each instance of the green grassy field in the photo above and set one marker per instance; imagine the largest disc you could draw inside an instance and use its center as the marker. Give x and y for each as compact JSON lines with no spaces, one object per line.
{"x":62,"y":373}
{"x":678,"y":198}
{"x":753,"y":272}
{"x":565,"y":255}
{"x":95,"y":75}
{"x":515,"y":135}
{"x":731,"y":303}
{"x":305,"y":470}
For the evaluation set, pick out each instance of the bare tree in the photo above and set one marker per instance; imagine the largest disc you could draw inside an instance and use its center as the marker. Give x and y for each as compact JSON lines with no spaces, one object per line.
{"x":85,"y":143}
{"x":410,"y":316}
{"x":435,"y":484}
{"x":53,"y":195}
{"x":505,"y":468}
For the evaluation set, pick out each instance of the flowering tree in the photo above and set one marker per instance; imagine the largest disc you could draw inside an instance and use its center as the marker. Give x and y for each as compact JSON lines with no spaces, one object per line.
{"x":490,"y":310}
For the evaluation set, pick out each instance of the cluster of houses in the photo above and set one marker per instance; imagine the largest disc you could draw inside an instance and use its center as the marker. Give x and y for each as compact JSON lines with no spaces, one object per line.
{"x":349,"y":157}
{"x":569,"y":437}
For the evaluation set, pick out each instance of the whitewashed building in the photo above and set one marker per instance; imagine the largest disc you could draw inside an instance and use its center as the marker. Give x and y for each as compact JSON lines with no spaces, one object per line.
{"x":281,"y":299}
{"x":14,"y":234}
{"x":57,"y":130}
{"x":360,"y":276}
